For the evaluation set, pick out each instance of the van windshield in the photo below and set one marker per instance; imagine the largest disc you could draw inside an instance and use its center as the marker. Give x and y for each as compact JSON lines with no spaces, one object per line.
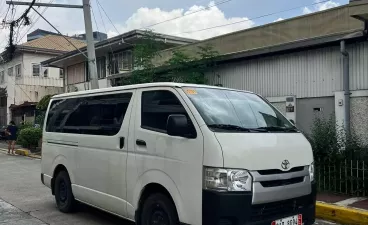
{"x":227,"y":110}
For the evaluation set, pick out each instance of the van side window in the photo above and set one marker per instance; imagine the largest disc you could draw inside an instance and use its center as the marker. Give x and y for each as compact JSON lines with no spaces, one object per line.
{"x":97,"y":115}
{"x":156,"y":108}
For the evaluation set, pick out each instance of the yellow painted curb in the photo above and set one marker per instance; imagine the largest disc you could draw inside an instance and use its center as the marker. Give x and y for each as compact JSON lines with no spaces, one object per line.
{"x":340,"y":214}
{"x":22,"y":152}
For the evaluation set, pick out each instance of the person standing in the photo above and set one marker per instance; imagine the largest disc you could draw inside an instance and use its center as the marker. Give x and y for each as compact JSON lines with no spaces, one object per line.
{"x":12,"y":136}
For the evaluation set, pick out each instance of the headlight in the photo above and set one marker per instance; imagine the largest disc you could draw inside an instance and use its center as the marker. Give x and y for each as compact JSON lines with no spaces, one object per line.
{"x":220,"y":179}
{"x":311,"y":172}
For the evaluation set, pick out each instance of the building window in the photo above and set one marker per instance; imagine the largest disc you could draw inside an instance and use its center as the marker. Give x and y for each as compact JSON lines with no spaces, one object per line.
{"x":18,"y":70}
{"x":36,"y":69}
{"x":2,"y":77}
{"x":61,"y":73}
{"x":10,"y":71}
{"x":101,"y":67}
{"x":120,"y":62}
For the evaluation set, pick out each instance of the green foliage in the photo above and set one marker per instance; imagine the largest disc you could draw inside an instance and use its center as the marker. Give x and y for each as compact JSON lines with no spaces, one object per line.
{"x":29,"y":137}
{"x":181,"y":66}
{"x":43,"y":103}
{"x":24,"y":126}
{"x":331,"y":143}
{"x":40,"y":118}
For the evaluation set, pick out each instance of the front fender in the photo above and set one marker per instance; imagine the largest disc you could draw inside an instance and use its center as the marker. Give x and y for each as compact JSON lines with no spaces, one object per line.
{"x":159,"y":177}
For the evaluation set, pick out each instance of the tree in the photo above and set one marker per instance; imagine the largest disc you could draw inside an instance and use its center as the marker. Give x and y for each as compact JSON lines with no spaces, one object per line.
{"x":144,"y":51}
{"x":181,"y":67}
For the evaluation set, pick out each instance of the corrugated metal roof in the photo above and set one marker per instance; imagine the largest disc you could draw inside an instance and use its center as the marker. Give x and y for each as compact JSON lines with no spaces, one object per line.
{"x":55,"y":42}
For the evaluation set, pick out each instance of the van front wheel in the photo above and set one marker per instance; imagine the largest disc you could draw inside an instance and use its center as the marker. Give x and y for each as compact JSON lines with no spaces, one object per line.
{"x":159,"y":209}
{"x":63,"y":193}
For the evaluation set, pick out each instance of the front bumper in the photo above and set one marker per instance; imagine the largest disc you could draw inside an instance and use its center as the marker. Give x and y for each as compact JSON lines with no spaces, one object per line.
{"x":224,"y":208}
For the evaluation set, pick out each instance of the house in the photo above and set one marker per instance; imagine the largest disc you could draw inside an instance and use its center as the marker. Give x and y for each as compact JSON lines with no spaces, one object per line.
{"x":298,"y":64}
{"x":113,"y":57}
{"x":23,"y":81}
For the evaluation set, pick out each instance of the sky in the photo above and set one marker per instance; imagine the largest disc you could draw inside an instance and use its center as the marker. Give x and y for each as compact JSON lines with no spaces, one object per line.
{"x":186,"y":17}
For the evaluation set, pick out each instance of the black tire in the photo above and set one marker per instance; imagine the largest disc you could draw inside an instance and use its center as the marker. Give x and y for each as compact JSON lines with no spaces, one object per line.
{"x":158,"y":208}
{"x":63,"y":193}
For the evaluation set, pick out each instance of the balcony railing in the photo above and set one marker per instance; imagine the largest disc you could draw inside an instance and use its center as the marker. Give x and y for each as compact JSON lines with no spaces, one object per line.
{"x":39,"y":81}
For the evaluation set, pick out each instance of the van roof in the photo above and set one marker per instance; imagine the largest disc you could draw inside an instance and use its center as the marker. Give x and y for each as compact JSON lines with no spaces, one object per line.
{"x":137,"y":86}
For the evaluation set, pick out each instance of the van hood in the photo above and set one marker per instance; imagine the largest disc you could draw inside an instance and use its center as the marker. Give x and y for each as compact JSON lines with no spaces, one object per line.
{"x":261,"y":151}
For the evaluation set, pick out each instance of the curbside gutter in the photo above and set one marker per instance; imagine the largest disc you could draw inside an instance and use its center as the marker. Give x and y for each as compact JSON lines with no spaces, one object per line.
{"x":341,"y":214}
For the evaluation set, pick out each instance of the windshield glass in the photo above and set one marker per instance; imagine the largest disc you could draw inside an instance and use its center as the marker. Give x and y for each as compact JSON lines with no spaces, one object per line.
{"x":236,"y":110}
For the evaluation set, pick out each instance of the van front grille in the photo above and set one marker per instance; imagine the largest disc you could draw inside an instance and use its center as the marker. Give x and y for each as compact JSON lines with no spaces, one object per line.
{"x":277,"y":183}
{"x":277,"y":171}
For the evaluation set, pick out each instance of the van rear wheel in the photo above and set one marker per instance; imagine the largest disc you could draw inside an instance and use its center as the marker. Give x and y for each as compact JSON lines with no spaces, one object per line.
{"x":63,"y":193}
{"x":158,"y":209}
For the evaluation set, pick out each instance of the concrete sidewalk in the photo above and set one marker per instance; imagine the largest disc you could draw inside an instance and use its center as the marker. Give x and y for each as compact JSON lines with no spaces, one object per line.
{"x":342,"y":209}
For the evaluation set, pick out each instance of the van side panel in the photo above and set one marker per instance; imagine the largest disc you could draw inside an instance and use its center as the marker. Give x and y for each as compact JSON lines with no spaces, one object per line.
{"x":173,"y":162}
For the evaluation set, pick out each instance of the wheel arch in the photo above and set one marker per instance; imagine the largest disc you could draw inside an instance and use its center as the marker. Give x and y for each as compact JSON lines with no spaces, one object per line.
{"x":155,"y":181}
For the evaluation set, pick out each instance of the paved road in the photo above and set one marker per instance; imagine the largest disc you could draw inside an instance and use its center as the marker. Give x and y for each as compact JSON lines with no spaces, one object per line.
{"x":25,"y":201}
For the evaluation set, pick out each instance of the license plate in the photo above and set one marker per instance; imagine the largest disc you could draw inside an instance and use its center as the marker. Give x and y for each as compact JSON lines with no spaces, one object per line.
{"x":292,"y":220}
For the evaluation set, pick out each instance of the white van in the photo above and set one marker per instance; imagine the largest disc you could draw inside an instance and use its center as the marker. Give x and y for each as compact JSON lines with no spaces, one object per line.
{"x":168,"y":153}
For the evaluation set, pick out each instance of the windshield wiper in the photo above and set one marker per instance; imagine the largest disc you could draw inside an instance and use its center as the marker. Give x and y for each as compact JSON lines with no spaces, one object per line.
{"x":236,"y":128}
{"x":274,"y":128}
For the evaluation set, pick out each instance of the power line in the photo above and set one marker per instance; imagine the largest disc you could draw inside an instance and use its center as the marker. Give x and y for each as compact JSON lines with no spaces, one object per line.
{"x":178,"y":17}
{"x":103,"y":23}
{"x":35,"y":15}
{"x":107,"y":16}
{"x":248,"y":19}
{"x":60,"y":33}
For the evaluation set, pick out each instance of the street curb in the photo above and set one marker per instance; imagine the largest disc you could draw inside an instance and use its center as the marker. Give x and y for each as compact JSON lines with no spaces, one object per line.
{"x":341,"y":214}
{"x":23,"y":152}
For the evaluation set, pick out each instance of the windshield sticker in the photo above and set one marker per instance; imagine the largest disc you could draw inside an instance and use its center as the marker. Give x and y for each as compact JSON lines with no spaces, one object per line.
{"x":191,"y":91}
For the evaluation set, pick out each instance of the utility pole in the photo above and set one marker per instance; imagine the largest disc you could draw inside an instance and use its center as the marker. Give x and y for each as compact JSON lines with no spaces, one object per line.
{"x":90,"y":45}
{"x":92,"y":67}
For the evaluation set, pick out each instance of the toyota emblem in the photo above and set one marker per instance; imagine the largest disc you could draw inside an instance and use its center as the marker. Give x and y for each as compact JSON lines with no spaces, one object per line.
{"x":285,"y":165}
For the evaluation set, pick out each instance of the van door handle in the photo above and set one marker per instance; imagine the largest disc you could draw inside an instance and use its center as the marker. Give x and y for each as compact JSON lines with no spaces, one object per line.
{"x":141,"y":142}
{"x":122,"y":142}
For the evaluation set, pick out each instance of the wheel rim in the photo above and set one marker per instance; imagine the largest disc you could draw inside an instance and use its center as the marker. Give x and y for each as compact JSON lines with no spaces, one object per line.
{"x":159,"y":216}
{"x":63,"y":191}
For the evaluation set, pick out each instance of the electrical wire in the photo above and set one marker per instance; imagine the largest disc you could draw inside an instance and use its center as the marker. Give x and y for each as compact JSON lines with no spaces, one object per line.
{"x":248,"y":19}
{"x":35,"y":21}
{"x":103,"y":23}
{"x":197,"y":11}
{"x":108,"y":16}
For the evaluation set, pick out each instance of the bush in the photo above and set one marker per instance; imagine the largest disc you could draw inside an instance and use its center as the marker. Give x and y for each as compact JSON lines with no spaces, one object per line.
{"x":330,"y":142}
{"x":29,"y":137}
{"x":44,"y":103}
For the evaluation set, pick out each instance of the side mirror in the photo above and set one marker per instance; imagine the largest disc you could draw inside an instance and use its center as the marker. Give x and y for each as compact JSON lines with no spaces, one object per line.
{"x":293,"y":122}
{"x":178,"y":125}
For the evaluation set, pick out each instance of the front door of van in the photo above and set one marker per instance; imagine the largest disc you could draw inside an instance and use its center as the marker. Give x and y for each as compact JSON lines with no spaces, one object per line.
{"x":103,"y":125}
{"x":173,"y":162}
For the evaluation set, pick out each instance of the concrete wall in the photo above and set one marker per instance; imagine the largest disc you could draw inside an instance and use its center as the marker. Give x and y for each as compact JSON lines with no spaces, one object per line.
{"x":308,"y":109}
{"x":359,"y":117}
{"x":358,"y":112}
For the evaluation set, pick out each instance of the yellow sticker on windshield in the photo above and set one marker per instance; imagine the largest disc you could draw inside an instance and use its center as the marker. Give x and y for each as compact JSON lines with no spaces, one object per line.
{"x":191,"y":91}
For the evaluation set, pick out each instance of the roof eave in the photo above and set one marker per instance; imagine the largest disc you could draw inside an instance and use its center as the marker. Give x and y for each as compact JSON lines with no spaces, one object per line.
{"x":126,"y":36}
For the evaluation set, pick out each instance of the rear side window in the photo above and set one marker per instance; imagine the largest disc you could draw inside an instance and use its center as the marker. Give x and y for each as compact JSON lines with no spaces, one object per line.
{"x":97,"y":115}
{"x":156,"y":108}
